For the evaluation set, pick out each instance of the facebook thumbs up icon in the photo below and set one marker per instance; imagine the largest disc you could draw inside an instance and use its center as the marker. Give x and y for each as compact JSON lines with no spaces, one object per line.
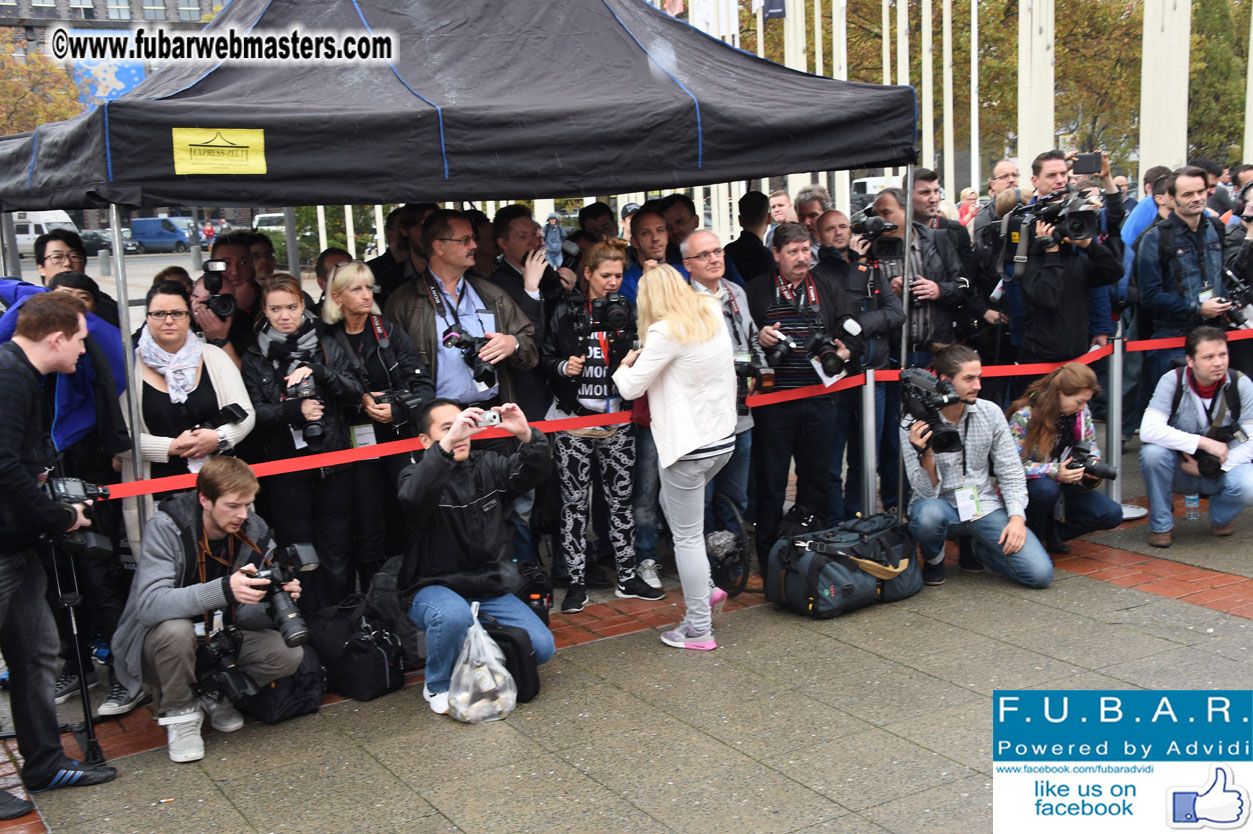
{"x":1221,"y":805}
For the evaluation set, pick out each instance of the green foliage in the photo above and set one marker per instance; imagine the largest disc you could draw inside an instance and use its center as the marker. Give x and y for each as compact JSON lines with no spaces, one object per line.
{"x":1216,"y":86}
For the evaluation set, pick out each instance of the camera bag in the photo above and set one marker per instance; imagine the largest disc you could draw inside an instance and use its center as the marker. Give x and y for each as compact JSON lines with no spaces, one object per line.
{"x":854,"y":564}
{"x":292,"y":696}
{"x":362,"y":658}
{"x":519,"y":655}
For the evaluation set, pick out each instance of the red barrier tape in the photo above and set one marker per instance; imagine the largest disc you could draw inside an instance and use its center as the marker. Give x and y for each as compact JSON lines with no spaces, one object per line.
{"x":132,"y":489}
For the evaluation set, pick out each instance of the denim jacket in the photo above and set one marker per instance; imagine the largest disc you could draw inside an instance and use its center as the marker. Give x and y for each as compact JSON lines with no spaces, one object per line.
{"x":1173,"y":297}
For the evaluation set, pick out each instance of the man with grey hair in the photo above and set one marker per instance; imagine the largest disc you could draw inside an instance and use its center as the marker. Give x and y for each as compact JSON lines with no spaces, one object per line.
{"x":1004,"y":176}
{"x":812,"y":202}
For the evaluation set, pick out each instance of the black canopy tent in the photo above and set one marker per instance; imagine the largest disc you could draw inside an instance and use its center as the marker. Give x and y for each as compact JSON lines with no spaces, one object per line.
{"x":480,"y":100}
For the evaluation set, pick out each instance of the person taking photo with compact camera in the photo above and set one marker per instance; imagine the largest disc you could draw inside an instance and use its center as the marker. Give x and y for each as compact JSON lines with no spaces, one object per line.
{"x":585,"y":341}
{"x":196,"y":574}
{"x":1052,"y":425}
{"x":1195,"y":434}
{"x":50,"y":335}
{"x":953,"y":493}
{"x":302,"y":384}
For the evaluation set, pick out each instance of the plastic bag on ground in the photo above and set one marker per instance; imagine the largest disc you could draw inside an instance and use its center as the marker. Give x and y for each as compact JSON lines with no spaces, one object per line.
{"x":482,"y":688}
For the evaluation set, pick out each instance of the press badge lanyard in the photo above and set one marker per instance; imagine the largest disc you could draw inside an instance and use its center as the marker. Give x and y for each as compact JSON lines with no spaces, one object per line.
{"x":204,"y":552}
{"x":785,"y":291}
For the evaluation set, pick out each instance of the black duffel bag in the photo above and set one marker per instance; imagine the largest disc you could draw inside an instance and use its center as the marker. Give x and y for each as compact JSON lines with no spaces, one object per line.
{"x":362,"y":658}
{"x":295,"y":695}
{"x":857,"y":563}
{"x":515,"y":642}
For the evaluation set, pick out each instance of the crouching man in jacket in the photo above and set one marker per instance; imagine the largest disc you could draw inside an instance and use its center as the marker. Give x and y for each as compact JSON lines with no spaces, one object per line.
{"x":199,"y":555}
{"x":458,"y":502}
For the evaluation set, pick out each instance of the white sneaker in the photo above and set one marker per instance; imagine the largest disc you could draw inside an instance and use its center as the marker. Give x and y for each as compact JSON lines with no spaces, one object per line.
{"x":223,"y":716}
{"x":183,"y":734}
{"x":647,"y":570}
{"x":438,"y":701}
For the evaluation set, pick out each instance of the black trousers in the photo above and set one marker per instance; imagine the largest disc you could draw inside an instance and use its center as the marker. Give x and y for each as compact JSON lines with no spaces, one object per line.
{"x":800,"y":429}
{"x":315,"y":507}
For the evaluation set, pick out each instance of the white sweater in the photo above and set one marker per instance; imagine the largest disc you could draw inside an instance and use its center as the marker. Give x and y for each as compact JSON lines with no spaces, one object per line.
{"x":229,"y":388}
{"x":691,"y":390}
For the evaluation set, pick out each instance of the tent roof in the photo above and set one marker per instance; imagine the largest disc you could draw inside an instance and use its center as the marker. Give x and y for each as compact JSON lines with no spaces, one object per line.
{"x":481,"y":99}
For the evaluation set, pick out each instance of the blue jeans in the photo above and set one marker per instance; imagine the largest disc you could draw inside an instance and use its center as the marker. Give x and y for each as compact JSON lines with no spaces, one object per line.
{"x":1086,"y":509}
{"x":844,"y":499}
{"x":1160,"y":467}
{"x":646,"y":502}
{"x":520,"y":518}
{"x":732,"y":481}
{"x":931,"y":520}
{"x":445,"y":615}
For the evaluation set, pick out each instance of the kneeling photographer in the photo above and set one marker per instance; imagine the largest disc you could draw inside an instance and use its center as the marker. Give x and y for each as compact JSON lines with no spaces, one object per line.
{"x":301,"y":383}
{"x":1052,"y":425}
{"x":586,"y":339}
{"x":197,"y":594}
{"x":958,"y":442}
{"x":397,"y":386}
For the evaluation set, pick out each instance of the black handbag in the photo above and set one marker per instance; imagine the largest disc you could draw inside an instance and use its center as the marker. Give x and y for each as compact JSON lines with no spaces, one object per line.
{"x":362,"y":658}
{"x":292,"y":696}
{"x":519,"y":655}
{"x":831,"y":572}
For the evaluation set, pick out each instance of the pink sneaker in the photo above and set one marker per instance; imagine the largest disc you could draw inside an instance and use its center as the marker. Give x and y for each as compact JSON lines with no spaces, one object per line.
{"x":681,"y":638}
{"x":717,"y":599}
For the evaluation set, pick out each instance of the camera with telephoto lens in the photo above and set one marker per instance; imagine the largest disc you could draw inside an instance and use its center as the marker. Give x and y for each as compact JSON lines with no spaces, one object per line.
{"x":484,"y":372}
{"x":222,"y":305}
{"x":1238,"y":293}
{"x":217,"y":667}
{"x":870,"y":225}
{"x":406,"y":400}
{"x":314,"y":432}
{"x":282,"y":568}
{"x":922,"y":397}
{"x":1081,"y":458}
{"x":611,"y":313}
{"x":77,"y":491}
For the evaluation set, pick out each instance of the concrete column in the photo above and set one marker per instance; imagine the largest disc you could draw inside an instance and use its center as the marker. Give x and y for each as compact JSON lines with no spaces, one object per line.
{"x":1164,"y":83}
{"x":321,"y":229}
{"x":975,"y":167}
{"x":839,"y":69}
{"x":350,"y":233}
{"x":902,"y":53}
{"x":380,"y":230}
{"x":818,"y":38}
{"x":928,"y":87}
{"x":950,"y":146}
{"x":1248,"y":99}
{"x":543,"y":208}
{"x":1035,"y":78}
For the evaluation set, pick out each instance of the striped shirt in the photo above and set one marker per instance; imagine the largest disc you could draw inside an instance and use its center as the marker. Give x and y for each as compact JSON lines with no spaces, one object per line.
{"x":712,"y":450}
{"x":795,"y":371}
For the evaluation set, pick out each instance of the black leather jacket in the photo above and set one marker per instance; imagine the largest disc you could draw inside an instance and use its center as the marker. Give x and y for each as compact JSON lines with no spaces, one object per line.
{"x":560,"y":344}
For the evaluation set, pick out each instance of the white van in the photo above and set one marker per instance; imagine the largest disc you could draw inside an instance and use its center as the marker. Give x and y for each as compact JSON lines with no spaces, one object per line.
{"x":31,"y":224}
{"x":270,"y":223}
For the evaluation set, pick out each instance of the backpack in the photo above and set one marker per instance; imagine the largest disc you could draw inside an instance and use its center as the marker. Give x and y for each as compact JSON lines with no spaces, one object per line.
{"x":1166,"y":253}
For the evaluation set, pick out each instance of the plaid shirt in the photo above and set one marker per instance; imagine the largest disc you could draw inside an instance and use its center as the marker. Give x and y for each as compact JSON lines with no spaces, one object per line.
{"x":988,"y":447}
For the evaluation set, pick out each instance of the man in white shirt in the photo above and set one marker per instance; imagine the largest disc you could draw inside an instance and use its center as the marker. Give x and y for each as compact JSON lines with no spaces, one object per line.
{"x":1196,"y":433}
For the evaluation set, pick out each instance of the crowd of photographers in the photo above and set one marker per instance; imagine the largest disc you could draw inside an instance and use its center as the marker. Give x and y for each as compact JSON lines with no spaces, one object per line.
{"x":466,"y":321}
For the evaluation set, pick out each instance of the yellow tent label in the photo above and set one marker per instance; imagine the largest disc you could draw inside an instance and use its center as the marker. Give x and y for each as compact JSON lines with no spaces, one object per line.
{"x":218,"y":150}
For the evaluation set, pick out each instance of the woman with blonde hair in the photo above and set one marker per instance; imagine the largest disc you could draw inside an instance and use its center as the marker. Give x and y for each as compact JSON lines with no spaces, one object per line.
{"x":687,"y":367}
{"x":1053,"y":428}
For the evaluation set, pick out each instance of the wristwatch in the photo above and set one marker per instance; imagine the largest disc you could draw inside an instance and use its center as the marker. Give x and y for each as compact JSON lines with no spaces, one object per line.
{"x":223,"y":444}
{"x":220,"y":343}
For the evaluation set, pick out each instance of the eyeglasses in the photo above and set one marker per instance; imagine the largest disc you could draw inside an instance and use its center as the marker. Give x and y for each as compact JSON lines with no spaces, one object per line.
{"x":704,"y":257}
{"x":464,"y":241}
{"x":162,"y":315}
{"x":65,"y":257}
{"x":1006,"y":176}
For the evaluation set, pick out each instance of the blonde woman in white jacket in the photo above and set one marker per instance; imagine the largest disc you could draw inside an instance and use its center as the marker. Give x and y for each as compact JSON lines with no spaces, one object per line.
{"x":182,"y":383}
{"x":687,"y":367}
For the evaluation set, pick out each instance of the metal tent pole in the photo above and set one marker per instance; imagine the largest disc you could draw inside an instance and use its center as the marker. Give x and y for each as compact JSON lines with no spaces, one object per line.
{"x":128,"y":349}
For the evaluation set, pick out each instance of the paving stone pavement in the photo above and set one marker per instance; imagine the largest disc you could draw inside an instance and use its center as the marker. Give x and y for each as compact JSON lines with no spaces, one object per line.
{"x":876,"y":722}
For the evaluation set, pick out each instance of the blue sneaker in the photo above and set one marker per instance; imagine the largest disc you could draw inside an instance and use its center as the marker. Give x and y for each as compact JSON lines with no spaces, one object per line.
{"x":72,"y":775}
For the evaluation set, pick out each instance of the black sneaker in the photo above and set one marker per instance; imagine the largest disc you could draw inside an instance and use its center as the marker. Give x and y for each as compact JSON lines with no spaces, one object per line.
{"x":73,"y":775}
{"x":966,"y":558}
{"x":636,"y":588}
{"x":67,"y":686}
{"x":120,"y":701}
{"x":575,"y":599}
{"x":11,"y":807}
{"x":933,"y":574}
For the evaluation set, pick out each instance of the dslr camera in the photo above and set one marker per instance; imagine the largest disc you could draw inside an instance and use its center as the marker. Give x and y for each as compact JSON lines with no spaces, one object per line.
{"x":314,"y":431}
{"x":1208,"y":465}
{"x":282,"y":568}
{"x":217,"y":667}
{"x":922,"y":397}
{"x":405,"y":399}
{"x":78,"y":491}
{"x":222,"y":305}
{"x":484,"y":372}
{"x":1081,"y":458}
{"x":746,"y":370}
{"x":611,"y":314}
{"x":819,"y":346}
{"x":1240,"y":295}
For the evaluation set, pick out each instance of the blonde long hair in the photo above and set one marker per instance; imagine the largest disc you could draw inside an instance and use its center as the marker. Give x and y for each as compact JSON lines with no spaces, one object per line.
{"x":343,"y":276}
{"x":663,"y":295}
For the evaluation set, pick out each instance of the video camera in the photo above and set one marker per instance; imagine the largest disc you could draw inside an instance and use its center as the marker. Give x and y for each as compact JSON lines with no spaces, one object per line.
{"x":314,"y":432}
{"x":1239,"y":294}
{"x":1071,"y":216}
{"x":1081,"y":458}
{"x":484,"y":372}
{"x":870,"y":225}
{"x":282,"y":568}
{"x":407,"y":397}
{"x":922,"y":397}
{"x":78,"y":491}
{"x":222,"y":305}
{"x":217,"y":667}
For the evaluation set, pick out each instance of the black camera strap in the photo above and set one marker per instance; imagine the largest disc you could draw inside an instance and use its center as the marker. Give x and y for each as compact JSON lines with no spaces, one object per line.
{"x":437,"y":299}
{"x":787,"y":294}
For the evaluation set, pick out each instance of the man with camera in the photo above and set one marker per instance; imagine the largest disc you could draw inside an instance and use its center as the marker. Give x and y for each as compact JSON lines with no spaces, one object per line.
{"x":50,"y":335}
{"x":1196,"y":433}
{"x":1004,"y":176}
{"x":958,"y":441}
{"x":1179,"y":268}
{"x":196,"y":594}
{"x":808,"y":322}
{"x":226,"y":325}
{"x":459,"y":504}
{"x":465,"y":328}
